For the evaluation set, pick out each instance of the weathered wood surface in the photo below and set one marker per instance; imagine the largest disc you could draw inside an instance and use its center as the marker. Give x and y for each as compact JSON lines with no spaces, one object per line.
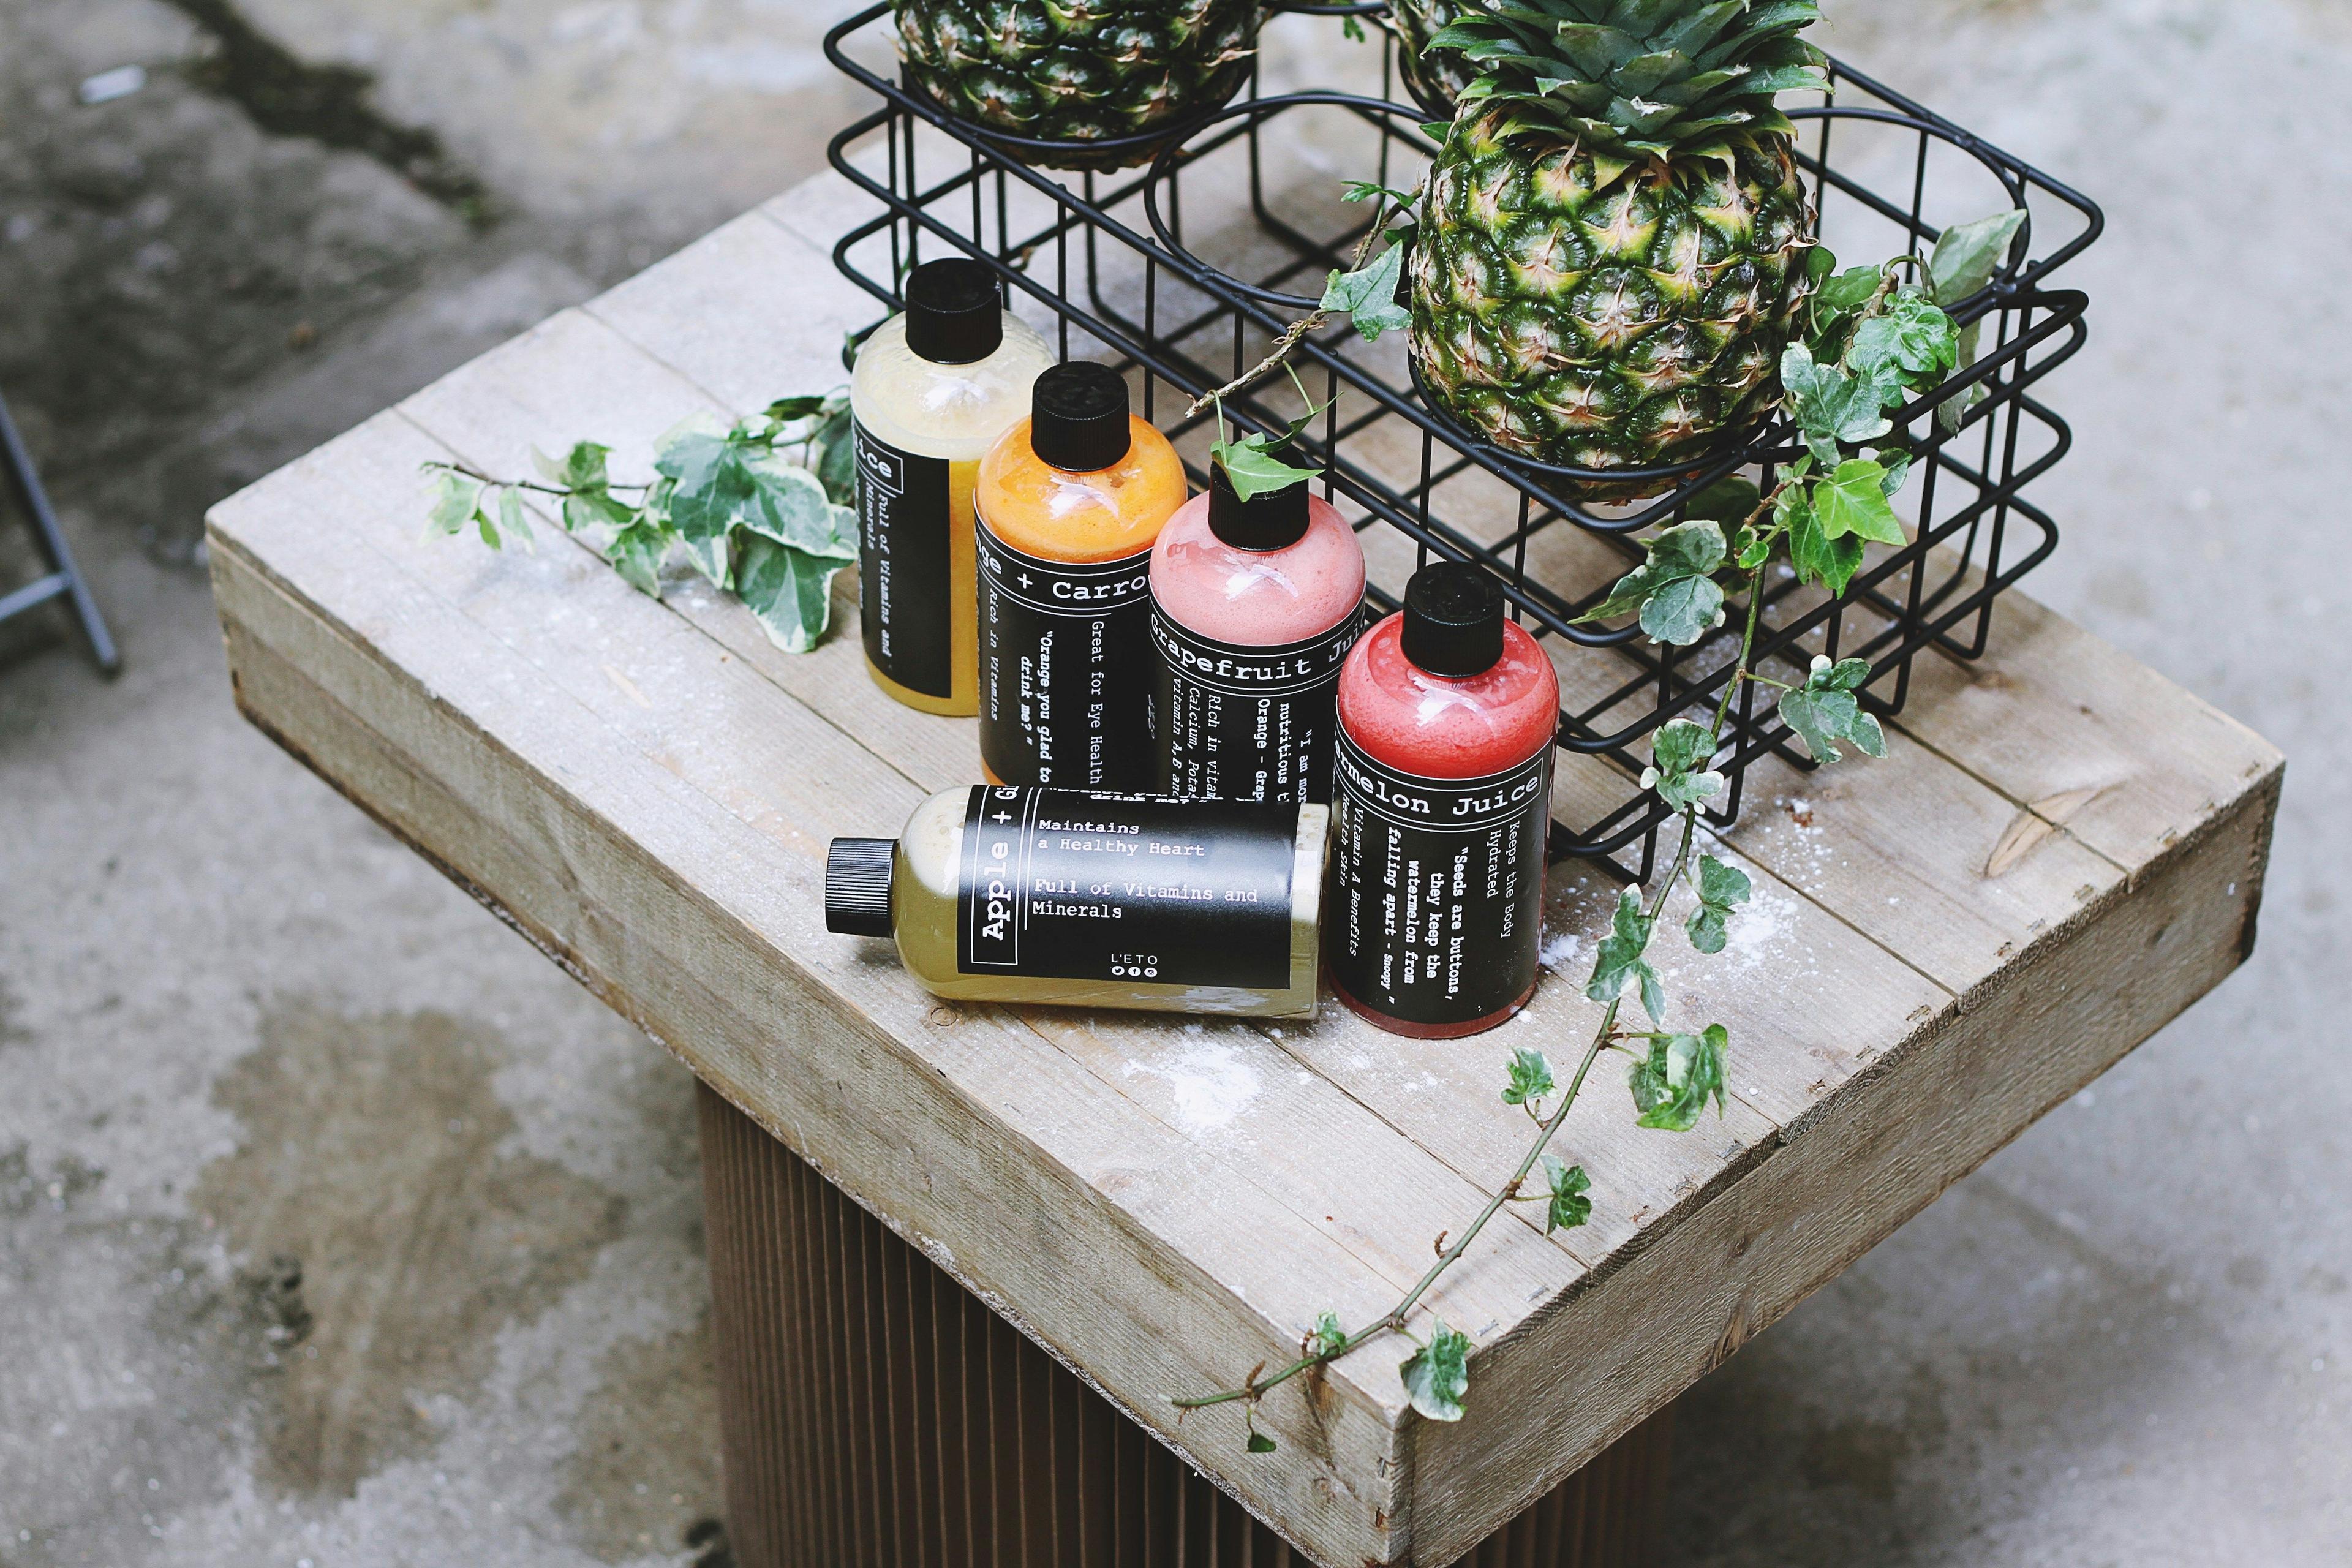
{"x":2063,"y":851}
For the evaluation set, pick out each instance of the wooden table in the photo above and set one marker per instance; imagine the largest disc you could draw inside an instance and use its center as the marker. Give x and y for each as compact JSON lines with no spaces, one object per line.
{"x":2063,"y":852}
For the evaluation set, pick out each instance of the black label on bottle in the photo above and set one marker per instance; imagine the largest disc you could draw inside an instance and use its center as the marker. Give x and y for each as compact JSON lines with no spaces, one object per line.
{"x":1435,"y":913}
{"x":1068,"y":885}
{"x":1233,"y":723}
{"x":1065,"y":668}
{"x":903,"y":503}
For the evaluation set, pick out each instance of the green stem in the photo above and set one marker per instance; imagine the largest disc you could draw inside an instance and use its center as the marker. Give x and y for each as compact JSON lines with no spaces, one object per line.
{"x":1256,"y":1387}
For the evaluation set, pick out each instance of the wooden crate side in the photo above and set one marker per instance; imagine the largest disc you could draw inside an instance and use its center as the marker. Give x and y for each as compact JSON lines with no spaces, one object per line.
{"x":1905,"y":1131}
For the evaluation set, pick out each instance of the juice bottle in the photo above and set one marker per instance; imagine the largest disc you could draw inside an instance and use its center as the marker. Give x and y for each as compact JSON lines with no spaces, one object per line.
{"x":1068,"y":502}
{"x":996,"y":893}
{"x":934,"y":386}
{"x":1255,"y":604}
{"x":1441,"y":810}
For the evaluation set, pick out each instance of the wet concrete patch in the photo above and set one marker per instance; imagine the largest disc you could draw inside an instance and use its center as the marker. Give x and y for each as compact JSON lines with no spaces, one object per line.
{"x":645,"y":1474}
{"x":329,"y":104}
{"x":385,"y":1231}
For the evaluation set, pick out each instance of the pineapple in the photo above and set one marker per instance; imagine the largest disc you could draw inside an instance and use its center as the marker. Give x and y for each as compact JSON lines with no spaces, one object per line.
{"x":1435,"y":77}
{"x":1613,"y":239}
{"x":1078,"y":70}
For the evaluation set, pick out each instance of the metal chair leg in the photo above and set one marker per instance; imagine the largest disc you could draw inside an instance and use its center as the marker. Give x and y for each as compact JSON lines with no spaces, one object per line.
{"x":64,"y":578}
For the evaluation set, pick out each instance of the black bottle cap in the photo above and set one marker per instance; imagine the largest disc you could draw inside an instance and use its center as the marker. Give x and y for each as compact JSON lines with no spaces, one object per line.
{"x":1452,"y":620}
{"x":955,"y":312}
{"x":857,"y":886}
{"x":1078,"y":417}
{"x":1270,"y":519}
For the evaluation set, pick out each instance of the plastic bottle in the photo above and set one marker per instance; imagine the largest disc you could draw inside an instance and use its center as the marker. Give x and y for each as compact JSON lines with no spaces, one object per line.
{"x":997,"y":893}
{"x":1255,"y":605}
{"x":1441,"y":811}
{"x":934,"y":387}
{"x":1068,"y":503}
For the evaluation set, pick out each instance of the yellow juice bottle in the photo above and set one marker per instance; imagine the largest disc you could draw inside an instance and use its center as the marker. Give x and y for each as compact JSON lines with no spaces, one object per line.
{"x":934,"y":388}
{"x":1090,"y":900}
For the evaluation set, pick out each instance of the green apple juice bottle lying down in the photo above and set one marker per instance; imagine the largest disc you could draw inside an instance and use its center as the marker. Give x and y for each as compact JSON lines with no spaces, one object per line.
{"x":1004,"y":893}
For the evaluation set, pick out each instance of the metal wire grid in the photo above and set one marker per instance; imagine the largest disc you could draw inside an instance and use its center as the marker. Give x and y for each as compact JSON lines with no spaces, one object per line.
{"x":1107,"y":256}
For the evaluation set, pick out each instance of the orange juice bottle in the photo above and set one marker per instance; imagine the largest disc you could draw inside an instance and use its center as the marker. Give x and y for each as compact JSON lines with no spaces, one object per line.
{"x":1068,"y":503}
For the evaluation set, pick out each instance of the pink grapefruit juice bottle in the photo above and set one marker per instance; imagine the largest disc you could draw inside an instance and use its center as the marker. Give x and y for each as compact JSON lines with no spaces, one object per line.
{"x":1441,"y":812}
{"x":1255,"y":605}
{"x":1068,"y":503}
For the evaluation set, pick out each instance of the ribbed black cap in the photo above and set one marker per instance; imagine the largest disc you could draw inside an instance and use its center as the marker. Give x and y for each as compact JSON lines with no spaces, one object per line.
{"x":1453,"y":620}
{"x":857,"y":886}
{"x":955,"y":312}
{"x":1270,"y":519}
{"x":1078,"y":417}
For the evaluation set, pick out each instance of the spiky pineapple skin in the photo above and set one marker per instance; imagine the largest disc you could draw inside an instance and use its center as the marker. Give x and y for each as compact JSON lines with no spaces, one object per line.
{"x":1588,"y":314}
{"x":1078,"y":70}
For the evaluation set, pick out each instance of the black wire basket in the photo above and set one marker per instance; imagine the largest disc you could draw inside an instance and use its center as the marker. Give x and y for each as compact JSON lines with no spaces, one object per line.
{"x":1183,"y":273}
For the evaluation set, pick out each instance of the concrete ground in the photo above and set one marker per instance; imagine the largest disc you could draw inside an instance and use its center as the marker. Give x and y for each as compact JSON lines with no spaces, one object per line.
{"x":336,"y":1226}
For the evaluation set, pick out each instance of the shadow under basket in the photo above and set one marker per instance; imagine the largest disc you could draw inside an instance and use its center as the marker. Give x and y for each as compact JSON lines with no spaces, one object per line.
{"x":877,"y":1415}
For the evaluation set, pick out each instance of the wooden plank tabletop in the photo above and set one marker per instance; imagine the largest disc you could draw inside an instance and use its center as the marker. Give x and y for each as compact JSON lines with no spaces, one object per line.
{"x":2063,"y":852}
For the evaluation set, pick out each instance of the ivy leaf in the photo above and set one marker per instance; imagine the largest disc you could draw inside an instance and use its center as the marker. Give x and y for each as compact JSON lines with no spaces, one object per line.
{"x":1673,"y":1084}
{"x":454,"y":499}
{"x":1568,"y":1207}
{"x":790,"y":410}
{"x":1620,"y":959}
{"x":1437,"y":1375}
{"x":635,"y":552}
{"x":1530,"y":1077}
{"x":1913,"y":341}
{"x":1849,"y":291}
{"x":1721,"y":889}
{"x":712,"y":489}
{"x":835,"y":444}
{"x":1852,"y":501}
{"x":1259,"y":1443}
{"x":788,"y":504}
{"x":1367,"y":295}
{"x":1254,"y":471}
{"x":1679,"y":773}
{"x":1832,"y":562}
{"x":1731,"y":499}
{"x":790,"y":590}
{"x":1328,"y":1336}
{"x":1368,"y":190}
{"x":1673,"y":589}
{"x":1825,"y":711}
{"x":511,"y":522}
{"x":1969,"y":254}
{"x":1830,"y":405}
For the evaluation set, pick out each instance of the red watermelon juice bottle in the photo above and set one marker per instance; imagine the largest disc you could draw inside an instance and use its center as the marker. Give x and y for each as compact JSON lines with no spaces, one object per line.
{"x":1441,"y":812}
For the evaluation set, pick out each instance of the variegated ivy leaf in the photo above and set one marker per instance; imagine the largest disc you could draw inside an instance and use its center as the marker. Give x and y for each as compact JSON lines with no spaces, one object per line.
{"x":1530,"y":1077}
{"x":1673,"y":1084}
{"x":790,"y":590}
{"x":1620,"y":959}
{"x":1817,"y":557}
{"x":455,"y":499}
{"x":1674,"y":590}
{"x":1679,"y":773}
{"x":1437,"y":1376}
{"x":1328,"y":1336}
{"x":1568,"y":1207}
{"x":1721,"y":889}
{"x":1825,"y":711}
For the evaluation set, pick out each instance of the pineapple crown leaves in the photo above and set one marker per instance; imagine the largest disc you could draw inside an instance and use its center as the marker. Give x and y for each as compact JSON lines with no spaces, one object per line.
{"x":771,"y":530}
{"x":1659,"y":78}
